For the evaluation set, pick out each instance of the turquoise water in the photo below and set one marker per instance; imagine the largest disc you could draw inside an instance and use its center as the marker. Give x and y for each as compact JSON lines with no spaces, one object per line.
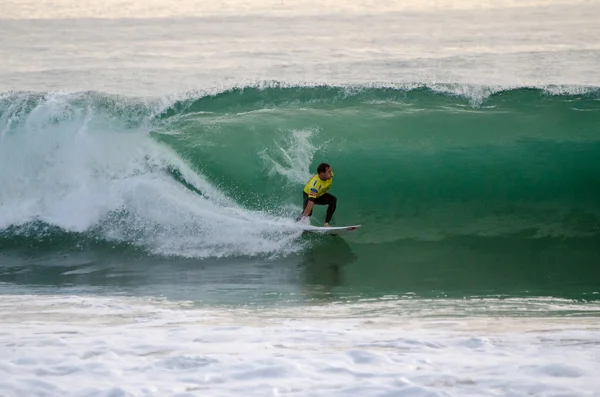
{"x":457,"y":197}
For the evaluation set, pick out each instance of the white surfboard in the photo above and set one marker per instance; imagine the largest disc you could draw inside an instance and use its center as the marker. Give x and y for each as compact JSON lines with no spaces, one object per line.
{"x":331,"y":229}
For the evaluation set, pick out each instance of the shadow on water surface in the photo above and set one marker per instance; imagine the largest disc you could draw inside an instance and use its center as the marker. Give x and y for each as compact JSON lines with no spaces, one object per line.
{"x":106,"y":269}
{"x":329,"y":268}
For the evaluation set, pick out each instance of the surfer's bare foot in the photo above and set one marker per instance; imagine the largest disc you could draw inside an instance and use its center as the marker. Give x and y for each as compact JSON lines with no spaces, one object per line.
{"x":326,"y":224}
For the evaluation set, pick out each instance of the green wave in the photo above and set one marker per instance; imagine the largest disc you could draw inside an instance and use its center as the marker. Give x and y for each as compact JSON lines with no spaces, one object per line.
{"x":461,"y":191}
{"x":412,"y":162}
{"x":416,"y":163}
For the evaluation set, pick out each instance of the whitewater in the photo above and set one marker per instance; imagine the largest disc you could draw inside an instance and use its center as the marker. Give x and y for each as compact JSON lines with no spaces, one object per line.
{"x":122,"y":347}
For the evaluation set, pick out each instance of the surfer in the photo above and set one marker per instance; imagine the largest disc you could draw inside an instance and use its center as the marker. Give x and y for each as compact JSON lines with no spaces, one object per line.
{"x":315,"y":192}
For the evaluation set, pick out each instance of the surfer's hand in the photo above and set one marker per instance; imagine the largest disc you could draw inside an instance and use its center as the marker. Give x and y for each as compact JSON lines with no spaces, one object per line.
{"x":304,"y":219}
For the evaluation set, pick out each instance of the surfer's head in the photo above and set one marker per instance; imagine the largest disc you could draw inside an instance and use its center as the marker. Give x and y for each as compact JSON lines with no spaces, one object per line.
{"x":324,"y":171}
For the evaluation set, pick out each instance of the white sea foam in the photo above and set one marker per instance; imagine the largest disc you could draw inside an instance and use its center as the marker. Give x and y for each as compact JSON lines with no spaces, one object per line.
{"x":75,"y":346}
{"x":74,"y":167}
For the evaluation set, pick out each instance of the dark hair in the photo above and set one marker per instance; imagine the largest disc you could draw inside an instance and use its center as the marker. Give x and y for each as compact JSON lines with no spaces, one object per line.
{"x":322,"y":168}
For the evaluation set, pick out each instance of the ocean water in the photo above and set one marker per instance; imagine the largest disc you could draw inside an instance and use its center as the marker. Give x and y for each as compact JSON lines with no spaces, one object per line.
{"x":152,"y":156}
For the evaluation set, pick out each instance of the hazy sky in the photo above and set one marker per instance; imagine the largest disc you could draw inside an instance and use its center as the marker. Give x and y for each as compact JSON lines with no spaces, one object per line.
{"x":25,"y":9}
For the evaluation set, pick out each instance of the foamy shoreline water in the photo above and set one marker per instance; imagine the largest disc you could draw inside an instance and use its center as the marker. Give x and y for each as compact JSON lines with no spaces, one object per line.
{"x":90,"y":346}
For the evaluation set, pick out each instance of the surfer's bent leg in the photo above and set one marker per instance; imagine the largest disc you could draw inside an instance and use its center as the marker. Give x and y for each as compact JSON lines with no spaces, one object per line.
{"x":327,"y":199}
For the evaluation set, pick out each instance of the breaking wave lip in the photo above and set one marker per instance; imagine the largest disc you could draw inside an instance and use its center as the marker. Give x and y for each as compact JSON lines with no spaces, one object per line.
{"x":476,"y":95}
{"x":146,"y":109}
{"x":90,"y":167}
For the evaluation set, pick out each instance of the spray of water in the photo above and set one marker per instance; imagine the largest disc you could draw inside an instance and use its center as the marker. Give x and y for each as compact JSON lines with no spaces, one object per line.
{"x":82,"y":169}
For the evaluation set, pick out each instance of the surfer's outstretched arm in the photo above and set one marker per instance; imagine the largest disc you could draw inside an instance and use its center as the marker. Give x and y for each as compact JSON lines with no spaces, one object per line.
{"x":308,"y":209}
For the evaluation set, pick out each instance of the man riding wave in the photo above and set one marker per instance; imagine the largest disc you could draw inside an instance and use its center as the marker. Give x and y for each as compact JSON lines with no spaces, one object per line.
{"x":315,"y":192}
